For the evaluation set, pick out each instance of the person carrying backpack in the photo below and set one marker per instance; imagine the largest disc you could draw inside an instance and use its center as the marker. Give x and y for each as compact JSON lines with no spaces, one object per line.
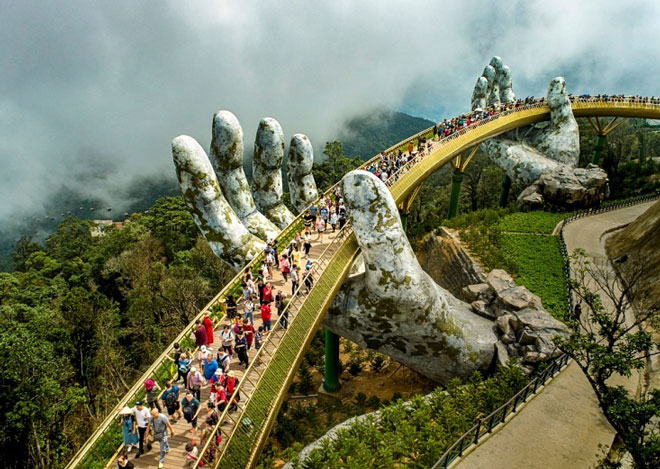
{"x":184,"y":367}
{"x":223,"y":361}
{"x":170,"y":398}
{"x":152,"y":389}
{"x":190,"y":407}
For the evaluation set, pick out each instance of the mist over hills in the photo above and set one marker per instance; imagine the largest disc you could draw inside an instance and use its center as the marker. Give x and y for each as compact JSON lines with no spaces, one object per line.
{"x":363,"y":135}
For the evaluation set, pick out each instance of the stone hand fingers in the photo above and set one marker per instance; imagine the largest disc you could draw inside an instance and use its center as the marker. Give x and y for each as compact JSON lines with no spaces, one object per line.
{"x":300,"y":159}
{"x":267,"y":174}
{"x":227,"y":160}
{"x":223,"y":230}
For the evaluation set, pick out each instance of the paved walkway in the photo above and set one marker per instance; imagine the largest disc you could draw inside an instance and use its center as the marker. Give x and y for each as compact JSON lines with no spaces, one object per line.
{"x":562,"y":427}
{"x":176,"y":458}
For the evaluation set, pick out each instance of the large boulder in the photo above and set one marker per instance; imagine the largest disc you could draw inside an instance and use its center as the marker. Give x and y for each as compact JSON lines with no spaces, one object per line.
{"x":566,"y":187}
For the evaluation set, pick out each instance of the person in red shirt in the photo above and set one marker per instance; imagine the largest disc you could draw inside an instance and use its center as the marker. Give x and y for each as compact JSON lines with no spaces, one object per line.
{"x":248,"y":330}
{"x":200,"y":334}
{"x":267,"y":293}
{"x":208,"y":325}
{"x":265,"y":316}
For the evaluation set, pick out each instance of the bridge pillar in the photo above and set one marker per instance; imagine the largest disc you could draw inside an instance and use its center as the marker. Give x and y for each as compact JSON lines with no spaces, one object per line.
{"x":601,"y":132}
{"x":642,"y":149}
{"x":504,"y":192}
{"x":600,"y":144}
{"x":456,"y":181}
{"x":331,"y":377}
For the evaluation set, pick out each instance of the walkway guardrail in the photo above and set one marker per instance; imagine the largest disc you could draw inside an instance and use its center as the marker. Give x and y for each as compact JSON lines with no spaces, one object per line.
{"x":485,"y":425}
{"x":99,"y":449}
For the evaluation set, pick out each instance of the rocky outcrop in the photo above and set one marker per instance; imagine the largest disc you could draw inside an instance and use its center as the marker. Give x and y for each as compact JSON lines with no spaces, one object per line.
{"x":525,"y":330}
{"x":637,"y":246}
{"x":564,"y":187}
{"x":442,"y":256}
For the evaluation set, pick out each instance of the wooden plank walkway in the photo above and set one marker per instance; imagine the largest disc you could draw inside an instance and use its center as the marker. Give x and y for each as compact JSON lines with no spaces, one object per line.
{"x":176,"y":458}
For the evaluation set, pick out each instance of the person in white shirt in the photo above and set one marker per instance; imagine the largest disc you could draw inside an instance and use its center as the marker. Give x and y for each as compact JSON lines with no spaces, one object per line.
{"x":142,"y":416}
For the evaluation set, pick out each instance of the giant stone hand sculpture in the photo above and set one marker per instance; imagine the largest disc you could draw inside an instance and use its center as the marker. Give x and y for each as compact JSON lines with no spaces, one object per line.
{"x":391,"y":304}
{"x":543,"y":156}
{"x":217,"y":193}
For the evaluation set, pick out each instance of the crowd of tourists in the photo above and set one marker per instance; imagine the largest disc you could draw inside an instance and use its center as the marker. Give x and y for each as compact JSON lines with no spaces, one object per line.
{"x":250,"y":317}
{"x":211,"y":366}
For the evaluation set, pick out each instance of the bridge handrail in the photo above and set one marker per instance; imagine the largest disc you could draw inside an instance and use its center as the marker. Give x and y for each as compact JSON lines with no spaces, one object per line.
{"x":486,"y":424}
{"x":390,"y":182}
{"x":474,"y":434}
{"x":284,"y":236}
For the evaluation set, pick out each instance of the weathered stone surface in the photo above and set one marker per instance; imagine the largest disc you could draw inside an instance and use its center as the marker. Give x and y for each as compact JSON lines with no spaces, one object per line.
{"x":266,"y":172}
{"x":443,"y":257}
{"x":300,"y":160}
{"x":499,"y":280}
{"x":517,"y":298}
{"x":479,"y":291}
{"x":526,"y":154}
{"x":565,"y":187}
{"x":483,"y":309}
{"x":501,"y":353}
{"x":223,"y":230}
{"x":227,"y":160}
{"x":394,"y":306}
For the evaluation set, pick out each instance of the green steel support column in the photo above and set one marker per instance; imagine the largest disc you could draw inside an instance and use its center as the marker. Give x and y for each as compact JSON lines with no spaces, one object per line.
{"x":504,"y":192}
{"x":404,"y":220}
{"x":642,"y":149}
{"x":331,"y":378}
{"x":600,"y":144}
{"x":456,"y":181}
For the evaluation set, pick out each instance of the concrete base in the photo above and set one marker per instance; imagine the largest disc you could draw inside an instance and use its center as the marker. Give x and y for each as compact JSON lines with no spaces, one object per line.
{"x":330,"y":396}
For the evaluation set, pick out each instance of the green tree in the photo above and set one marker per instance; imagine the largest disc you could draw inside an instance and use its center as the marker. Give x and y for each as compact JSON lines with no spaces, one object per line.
{"x":170,"y":221}
{"x":333,"y":168}
{"x":608,"y":339}
{"x":22,"y":250}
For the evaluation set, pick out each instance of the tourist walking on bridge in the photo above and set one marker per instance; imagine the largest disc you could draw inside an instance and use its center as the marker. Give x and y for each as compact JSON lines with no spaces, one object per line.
{"x":142,"y":419}
{"x":128,"y":427}
{"x":160,"y":424}
{"x":200,"y":334}
{"x":190,"y":407}
{"x":208,"y":325}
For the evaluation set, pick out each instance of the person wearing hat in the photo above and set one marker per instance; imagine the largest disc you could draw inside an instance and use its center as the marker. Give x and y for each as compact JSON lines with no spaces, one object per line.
{"x":195,"y":382}
{"x":142,"y":416}
{"x":153,"y":389}
{"x":201,"y":356}
{"x":128,"y":425}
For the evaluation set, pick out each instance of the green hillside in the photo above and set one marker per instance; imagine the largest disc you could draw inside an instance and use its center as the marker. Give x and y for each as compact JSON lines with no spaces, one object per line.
{"x":370,"y":134}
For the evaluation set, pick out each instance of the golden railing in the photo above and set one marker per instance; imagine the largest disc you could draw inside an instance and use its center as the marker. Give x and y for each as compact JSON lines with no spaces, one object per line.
{"x":288,"y":348}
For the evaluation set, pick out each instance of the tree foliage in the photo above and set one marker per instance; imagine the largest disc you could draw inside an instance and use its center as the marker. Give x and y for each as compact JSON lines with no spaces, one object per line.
{"x":82,"y":315}
{"x":610,"y":338}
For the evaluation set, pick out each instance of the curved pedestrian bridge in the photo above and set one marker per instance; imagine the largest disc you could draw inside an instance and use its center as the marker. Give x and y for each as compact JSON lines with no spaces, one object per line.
{"x":264,"y":384}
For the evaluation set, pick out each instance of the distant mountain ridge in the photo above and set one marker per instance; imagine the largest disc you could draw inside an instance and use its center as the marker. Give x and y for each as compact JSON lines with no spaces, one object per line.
{"x":363,"y":136}
{"x":369,"y":134}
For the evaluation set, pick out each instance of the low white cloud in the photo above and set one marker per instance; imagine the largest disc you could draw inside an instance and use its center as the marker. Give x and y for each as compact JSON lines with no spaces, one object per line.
{"x":107,"y":85}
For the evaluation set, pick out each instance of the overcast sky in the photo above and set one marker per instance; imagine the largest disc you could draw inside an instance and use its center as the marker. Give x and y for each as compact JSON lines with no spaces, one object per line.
{"x":89,"y":86}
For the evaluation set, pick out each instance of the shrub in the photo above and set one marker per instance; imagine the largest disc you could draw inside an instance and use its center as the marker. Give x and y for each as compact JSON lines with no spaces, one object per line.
{"x":373,"y":402}
{"x":376,"y":361}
